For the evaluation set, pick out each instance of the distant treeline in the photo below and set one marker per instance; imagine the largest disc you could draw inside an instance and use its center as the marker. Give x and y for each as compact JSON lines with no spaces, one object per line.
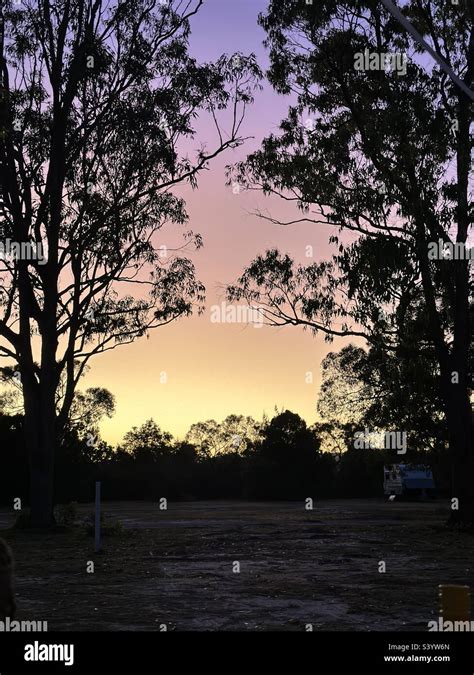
{"x":279,"y":458}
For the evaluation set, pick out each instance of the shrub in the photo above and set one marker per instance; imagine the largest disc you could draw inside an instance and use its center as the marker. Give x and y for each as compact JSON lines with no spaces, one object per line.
{"x":108,"y":528}
{"x":66,"y":514}
{"x":22,"y":521}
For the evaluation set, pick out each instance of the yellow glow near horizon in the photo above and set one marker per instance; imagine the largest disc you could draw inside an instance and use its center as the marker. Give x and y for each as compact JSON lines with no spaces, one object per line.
{"x":216,"y":369}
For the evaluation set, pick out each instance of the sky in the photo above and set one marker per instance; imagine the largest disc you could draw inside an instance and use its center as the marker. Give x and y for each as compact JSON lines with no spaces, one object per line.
{"x":194,"y":370}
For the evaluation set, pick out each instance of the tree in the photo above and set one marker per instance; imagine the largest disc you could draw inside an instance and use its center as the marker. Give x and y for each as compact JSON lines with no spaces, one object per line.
{"x":345,"y":394}
{"x":89,"y":408}
{"x":148,"y":442}
{"x":97,"y":108}
{"x":284,"y":463}
{"x":81,"y":443}
{"x":203,"y":436}
{"x":85,"y":412}
{"x":13,"y":460}
{"x":383,"y":391}
{"x":287,"y":440}
{"x":81,"y":431}
{"x":237,"y":433}
{"x":384,"y":157}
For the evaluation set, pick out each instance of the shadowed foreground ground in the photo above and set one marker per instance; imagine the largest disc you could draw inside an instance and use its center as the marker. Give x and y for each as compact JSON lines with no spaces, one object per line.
{"x":297,"y":567}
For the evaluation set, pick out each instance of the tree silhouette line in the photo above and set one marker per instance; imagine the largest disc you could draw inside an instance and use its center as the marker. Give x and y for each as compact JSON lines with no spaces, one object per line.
{"x":276,"y":459}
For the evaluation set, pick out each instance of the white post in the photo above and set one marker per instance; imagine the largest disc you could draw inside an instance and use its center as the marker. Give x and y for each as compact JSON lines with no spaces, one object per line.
{"x":97,"y":517}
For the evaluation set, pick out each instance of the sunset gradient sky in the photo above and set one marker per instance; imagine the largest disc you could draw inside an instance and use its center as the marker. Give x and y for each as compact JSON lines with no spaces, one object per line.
{"x":214,"y":370}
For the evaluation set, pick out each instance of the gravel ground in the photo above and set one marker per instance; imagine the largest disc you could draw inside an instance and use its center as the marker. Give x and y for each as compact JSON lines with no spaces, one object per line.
{"x":179,"y":568}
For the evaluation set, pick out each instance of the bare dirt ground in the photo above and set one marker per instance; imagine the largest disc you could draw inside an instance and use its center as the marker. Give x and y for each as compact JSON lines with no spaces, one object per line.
{"x":297,"y":567}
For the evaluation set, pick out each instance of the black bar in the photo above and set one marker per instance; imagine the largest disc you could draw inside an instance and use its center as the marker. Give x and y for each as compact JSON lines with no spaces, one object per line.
{"x":317,"y":652}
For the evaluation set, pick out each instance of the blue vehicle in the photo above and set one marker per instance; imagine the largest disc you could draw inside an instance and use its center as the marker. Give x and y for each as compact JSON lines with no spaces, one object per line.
{"x":410,"y":480}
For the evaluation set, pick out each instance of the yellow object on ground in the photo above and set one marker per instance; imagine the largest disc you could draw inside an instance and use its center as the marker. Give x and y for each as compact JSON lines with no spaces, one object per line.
{"x":454,"y":602}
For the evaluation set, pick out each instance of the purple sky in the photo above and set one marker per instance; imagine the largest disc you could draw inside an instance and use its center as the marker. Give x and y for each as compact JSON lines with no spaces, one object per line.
{"x":213,"y":370}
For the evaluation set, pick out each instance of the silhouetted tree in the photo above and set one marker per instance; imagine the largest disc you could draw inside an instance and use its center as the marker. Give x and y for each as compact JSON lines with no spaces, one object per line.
{"x":283,"y":465}
{"x":384,"y":157}
{"x":13,"y":459}
{"x":97,"y":106}
{"x":236,"y":433}
{"x":88,"y":408}
{"x":147,"y":443}
{"x":381,"y":390}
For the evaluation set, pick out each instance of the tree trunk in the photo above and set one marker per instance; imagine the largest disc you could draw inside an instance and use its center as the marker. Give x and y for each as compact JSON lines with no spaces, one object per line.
{"x":461,"y":447}
{"x":40,"y":437}
{"x":458,"y":406}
